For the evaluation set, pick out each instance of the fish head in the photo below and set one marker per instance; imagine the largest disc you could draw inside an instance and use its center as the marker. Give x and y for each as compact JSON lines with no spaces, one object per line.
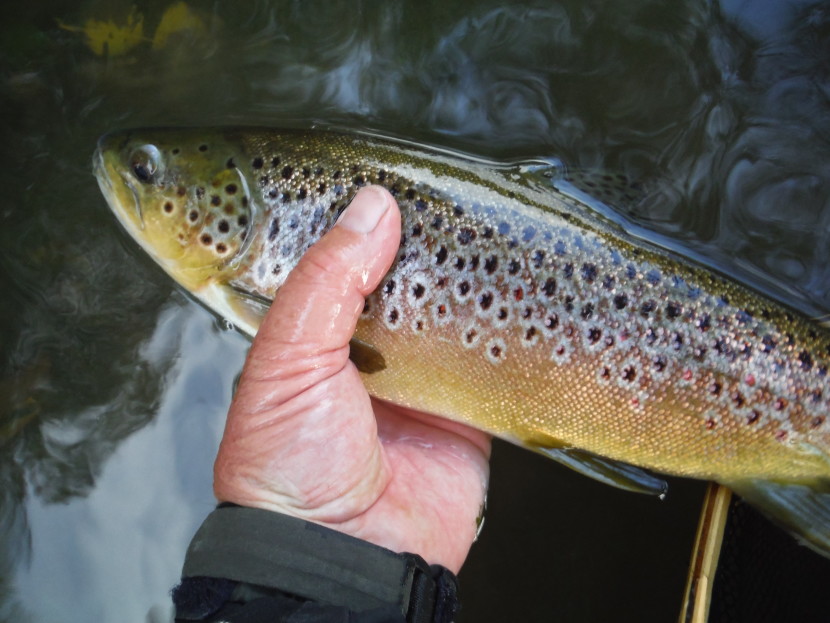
{"x":182,"y":199}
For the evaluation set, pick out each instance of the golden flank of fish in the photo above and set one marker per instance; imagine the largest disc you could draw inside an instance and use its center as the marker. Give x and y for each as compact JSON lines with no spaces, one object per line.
{"x":511,"y":307}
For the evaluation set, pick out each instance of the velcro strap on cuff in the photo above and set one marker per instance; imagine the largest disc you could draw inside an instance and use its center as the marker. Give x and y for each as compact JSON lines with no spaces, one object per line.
{"x":313,"y":562}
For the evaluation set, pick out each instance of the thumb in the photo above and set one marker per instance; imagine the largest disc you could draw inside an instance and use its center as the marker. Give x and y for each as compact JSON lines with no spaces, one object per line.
{"x":298,"y":373}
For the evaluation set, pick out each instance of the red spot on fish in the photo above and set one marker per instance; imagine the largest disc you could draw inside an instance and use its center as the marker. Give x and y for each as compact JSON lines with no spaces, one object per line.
{"x":687,"y":375}
{"x":518,"y":294}
{"x":779,"y":404}
{"x":635,"y":402}
{"x":750,"y":380}
{"x":781,"y":435}
{"x":710,"y":423}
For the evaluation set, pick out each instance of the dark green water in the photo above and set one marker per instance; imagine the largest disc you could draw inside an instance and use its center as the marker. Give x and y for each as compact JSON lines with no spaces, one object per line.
{"x":114,"y":385}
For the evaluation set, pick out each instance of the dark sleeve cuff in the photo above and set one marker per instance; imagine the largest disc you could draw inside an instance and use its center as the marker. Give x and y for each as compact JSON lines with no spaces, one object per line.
{"x":274,"y":551}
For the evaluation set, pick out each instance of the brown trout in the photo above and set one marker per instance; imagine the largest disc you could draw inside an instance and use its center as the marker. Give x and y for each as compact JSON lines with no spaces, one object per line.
{"x":512,"y":307}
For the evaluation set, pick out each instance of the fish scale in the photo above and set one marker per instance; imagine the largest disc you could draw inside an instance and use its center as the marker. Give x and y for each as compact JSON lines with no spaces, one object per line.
{"x":512,"y":305}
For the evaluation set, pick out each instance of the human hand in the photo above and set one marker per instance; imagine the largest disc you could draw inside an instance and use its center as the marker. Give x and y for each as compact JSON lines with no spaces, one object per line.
{"x":304,"y":438}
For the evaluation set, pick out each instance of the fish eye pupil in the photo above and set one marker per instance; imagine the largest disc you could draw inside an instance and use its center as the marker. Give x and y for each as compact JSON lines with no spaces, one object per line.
{"x":146,"y":161}
{"x":142,"y":172}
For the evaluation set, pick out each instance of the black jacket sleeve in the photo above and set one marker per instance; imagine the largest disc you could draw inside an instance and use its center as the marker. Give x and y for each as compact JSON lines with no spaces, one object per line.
{"x":247,"y":565}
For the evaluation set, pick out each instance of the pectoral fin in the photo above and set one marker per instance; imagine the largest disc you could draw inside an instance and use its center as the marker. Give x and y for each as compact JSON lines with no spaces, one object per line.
{"x":801,"y":508}
{"x":608,"y":471}
{"x":366,"y":357}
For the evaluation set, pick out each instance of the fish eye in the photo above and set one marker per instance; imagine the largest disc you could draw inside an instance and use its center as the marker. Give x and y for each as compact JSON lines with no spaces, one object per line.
{"x":145,"y":163}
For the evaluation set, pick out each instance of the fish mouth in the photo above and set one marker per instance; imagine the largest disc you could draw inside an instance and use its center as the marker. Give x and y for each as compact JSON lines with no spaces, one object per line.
{"x":114,"y":185}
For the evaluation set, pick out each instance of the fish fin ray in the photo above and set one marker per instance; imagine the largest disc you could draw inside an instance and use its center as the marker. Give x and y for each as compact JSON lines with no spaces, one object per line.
{"x":608,"y":471}
{"x":802,"y":509}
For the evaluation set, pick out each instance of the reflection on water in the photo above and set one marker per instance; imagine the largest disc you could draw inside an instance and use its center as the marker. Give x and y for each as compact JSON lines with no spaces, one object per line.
{"x":114,"y":386}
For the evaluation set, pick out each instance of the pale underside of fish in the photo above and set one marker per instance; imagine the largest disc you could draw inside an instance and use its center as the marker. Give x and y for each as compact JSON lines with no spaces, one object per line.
{"x":512,"y":306}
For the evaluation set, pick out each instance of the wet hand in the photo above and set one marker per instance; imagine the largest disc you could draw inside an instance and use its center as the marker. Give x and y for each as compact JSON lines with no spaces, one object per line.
{"x":304,"y":438}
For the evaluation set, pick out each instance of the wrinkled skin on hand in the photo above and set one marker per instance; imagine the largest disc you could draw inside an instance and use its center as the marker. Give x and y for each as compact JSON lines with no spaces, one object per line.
{"x":304,"y":438}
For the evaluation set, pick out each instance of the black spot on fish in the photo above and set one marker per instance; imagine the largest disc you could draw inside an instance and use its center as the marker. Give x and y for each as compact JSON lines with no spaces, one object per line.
{"x":393,"y":316}
{"x":257,"y":163}
{"x":491,"y":264}
{"x":272,"y":194}
{"x":488,"y":233}
{"x":647,"y":307}
{"x":273,"y":228}
{"x":223,"y":226}
{"x":418,"y":290}
{"x":817,"y":421}
{"x":441,"y":310}
{"x":321,"y":188}
{"x":531,"y":331}
{"x":336,"y":175}
{"x":594,"y":335}
{"x":410,"y":193}
{"x":568,"y":271}
{"x":550,"y":287}
{"x":806,"y":360}
{"x":278,"y":269}
{"x":495,"y":350}
{"x":181,"y":191}
{"x":389,"y":288}
{"x":779,"y":404}
{"x":620,"y":301}
{"x":381,"y":175}
{"x":714,"y":388}
{"x":587,"y":311}
{"x":551,"y":322}
{"x":306,"y":172}
{"x":538,"y":258}
{"x":753,"y":417}
{"x":629,"y":373}
{"x":287,"y":172}
{"x":168,"y":207}
{"x":286,"y":197}
{"x":441,"y":256}
{"x":302,"y":193}
{"x":420,"y":205}
{"x":589,"y":272}
{"x":230,"y":164}
{"x":514,"y":267}
{"x":417,"y":230}
{"x":215,"y":200}
{"x":737,"y":399}
{"x":608,"y":282}
{"x":459,"y":263}
{"x":193,"y":216}
{"x":677,"y":341}
{"x":502,"y":313}
{"x":221,"y":247}
{"x":569,"y":303}
{"x":464,"y":287}
{"x":769,"y":344}
{"x":230,"y":189}
{"x":206,"y":239}
{"x":200,"y":193}
{"x":673,"y":310}
{"x":485,"y":300}
{"x":359,"y":180}
{"x":458,"y":210}
{"x":242,"y":221}
{"x":466,"y":235}
{"x":203,"y":147}
{"x":659,"y":363}
{"x":474,"y":261}
{"x":275,"y":162}
{"x":175,"y":151}
{"x":470,"y":336}
{"x":437,"y":222}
